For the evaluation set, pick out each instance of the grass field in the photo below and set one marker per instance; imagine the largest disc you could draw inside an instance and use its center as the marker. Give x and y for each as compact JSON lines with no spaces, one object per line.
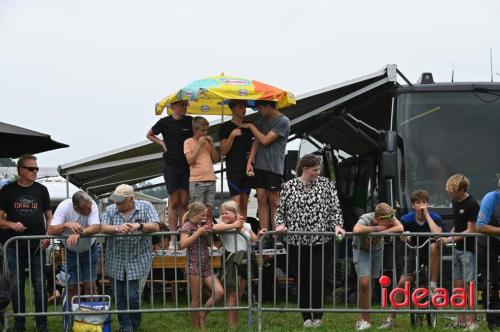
{"x":273,"y":321}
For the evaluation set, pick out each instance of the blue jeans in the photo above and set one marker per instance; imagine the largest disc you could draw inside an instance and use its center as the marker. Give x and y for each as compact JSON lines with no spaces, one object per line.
{"x":17,"y":265}
{"x":128,"y":321}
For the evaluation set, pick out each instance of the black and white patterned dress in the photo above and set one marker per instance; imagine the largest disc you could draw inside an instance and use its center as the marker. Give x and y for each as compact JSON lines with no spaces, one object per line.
{"x":311,"y":208}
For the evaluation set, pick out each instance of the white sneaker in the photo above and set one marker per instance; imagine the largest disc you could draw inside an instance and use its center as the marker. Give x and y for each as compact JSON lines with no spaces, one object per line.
{"x":362,"y":325}
{"x":318,"y":322}
{"x":308,"y":323}
{"x":387,"y":324}
{"x":472,"y":326}
{"x":432,"y":290}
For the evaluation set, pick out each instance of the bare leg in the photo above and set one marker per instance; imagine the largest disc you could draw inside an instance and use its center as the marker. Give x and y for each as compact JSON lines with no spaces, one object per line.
{"x":364,"y":296}
{"x":216,"y":297}
{"x":459,"y":283}
{"x":263,"y":208}
{"x":183,"y":204}
{"x":173,"y":206}
{"x":399,"y":296}
{"x":242,"y":201}
{"x":274,"y":200}
{"x":232,"y":301}
{"x":435,"y":262}
{"x":194,"y":285}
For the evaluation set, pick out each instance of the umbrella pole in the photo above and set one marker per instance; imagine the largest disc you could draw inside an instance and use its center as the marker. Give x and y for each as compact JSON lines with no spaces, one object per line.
{"x":221,"y":160}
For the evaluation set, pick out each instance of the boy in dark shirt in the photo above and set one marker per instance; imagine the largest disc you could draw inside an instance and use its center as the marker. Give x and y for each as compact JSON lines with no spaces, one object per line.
{"x":235,"y":145}
{"x":420,"y":220}
{"x":465,"y":210}
{"x":174,"y":129}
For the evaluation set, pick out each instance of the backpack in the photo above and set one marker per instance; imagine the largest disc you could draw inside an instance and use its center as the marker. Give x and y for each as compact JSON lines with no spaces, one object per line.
{"x":4,"y":283}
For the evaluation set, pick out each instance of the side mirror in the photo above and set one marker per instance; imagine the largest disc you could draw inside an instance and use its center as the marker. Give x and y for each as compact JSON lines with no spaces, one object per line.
{"x":388,"y":159}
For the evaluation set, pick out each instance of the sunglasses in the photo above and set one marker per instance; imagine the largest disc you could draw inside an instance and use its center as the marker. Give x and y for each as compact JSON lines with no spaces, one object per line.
{"x":31,"y":169}
{"x":387,"y":216}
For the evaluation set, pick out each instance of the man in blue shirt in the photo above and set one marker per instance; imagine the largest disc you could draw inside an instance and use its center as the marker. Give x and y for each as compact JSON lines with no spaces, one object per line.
{"x":488,"y":222}
{"x":420,"y":220}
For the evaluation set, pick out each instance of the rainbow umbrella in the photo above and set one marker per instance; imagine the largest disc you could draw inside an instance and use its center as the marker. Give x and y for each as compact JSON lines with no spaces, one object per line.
{"x":208,"y":96}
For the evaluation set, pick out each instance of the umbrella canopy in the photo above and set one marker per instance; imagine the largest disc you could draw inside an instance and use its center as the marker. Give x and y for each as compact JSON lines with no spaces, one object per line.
{"x":207,"y":96}
{"x":16,"y":141}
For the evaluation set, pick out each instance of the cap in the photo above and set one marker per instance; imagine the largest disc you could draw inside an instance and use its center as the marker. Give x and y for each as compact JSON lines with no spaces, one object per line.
{"x":122,"y":192}
{"x":384,"y":211}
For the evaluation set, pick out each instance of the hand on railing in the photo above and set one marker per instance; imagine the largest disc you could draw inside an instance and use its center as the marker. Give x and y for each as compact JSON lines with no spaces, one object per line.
{"x":281,"y":229}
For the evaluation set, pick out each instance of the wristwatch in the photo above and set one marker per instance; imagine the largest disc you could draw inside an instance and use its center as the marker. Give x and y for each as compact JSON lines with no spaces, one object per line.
{"x":141,"y":226}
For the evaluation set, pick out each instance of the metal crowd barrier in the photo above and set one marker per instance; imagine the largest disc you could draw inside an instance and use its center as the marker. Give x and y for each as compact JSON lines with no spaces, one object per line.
{"x":337,"y":282}
{"x":167,"y":273}
{"x":281,"y":266}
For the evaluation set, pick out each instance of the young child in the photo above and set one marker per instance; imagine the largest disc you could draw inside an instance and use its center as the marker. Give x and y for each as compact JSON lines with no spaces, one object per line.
{"x":367,"y":253}
{"x":232,"y":220}
{"x":200,"y":155}
{"x":194,"y":236}
{"x":465,"y":211}
{"x":420,"y":220}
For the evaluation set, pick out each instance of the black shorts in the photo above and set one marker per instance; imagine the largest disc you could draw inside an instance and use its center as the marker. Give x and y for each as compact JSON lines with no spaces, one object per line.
{"x":267,"y":180}
{"x":237,"y":187}
{"x":176,"y":177}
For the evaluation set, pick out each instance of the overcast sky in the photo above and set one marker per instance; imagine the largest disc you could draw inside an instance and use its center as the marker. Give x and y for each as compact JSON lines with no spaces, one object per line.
{"x":89,"y":72}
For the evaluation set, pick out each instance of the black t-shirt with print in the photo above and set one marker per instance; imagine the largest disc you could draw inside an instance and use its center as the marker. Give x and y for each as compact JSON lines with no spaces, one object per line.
{"x":464,"y":212}
{"x":236,"y":158}
{"x":26,"y":205}
{"x":174,"y":133}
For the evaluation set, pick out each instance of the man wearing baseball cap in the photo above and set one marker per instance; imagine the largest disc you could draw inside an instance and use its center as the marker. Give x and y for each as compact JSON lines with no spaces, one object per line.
{"x":128,"y":259}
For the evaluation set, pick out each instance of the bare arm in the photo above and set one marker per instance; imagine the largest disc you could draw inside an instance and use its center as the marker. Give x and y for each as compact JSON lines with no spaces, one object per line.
{"x":155,"y":139}
{"x":251,"y":155}
{"x":397,"y":228}
{"x":149,"y":227}
{"x":213,"y":154}
{"x":266,"y":139}
{"x":48,"y":217}
{"x":187,"y":240}
{"x":191,"y":156}
{"x":227,"y":143}
{"x":92,"y":229}
{"x":222,"y":227}
{"x":363,"y":229}
{"x":488,"y":229}
{"x":432,"y":224}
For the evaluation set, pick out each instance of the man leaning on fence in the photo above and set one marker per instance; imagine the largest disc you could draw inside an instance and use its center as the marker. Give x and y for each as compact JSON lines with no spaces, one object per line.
{"x":74,"y":217}
{"x":367,"y":253}
{"x":25,"y":210}
{"x":488,"y":222}
{"x":128,"y":258}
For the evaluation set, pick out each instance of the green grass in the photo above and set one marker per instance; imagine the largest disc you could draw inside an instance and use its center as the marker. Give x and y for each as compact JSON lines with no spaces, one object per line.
{"x":273,"y":321}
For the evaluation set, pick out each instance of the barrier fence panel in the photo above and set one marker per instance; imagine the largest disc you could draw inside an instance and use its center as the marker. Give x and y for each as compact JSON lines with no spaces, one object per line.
{"x":375,"y":273}
{"x":138,"y":272}
{"x":414,"y":274}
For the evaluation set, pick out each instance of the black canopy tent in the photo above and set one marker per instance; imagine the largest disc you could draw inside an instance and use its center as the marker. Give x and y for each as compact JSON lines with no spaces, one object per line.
{"x":16,"y":141}
{"x":334,"y":115}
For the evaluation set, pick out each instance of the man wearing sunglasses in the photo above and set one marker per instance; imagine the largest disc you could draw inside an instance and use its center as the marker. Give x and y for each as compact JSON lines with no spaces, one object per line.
{"x":25,"y":210}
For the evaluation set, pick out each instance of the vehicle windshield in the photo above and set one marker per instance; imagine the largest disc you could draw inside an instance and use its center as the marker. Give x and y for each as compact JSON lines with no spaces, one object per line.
{"x":445,"y":133}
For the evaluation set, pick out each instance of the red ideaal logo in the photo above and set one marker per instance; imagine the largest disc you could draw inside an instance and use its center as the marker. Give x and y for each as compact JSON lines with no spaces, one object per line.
{"x":419,"y":296}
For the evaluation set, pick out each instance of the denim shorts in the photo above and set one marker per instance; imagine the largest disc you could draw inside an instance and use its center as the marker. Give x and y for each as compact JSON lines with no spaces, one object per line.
{"x":362,"y":264}
{"x":85,"y":267}
{"x":202,"y":192}
{"x":464,"y":265}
